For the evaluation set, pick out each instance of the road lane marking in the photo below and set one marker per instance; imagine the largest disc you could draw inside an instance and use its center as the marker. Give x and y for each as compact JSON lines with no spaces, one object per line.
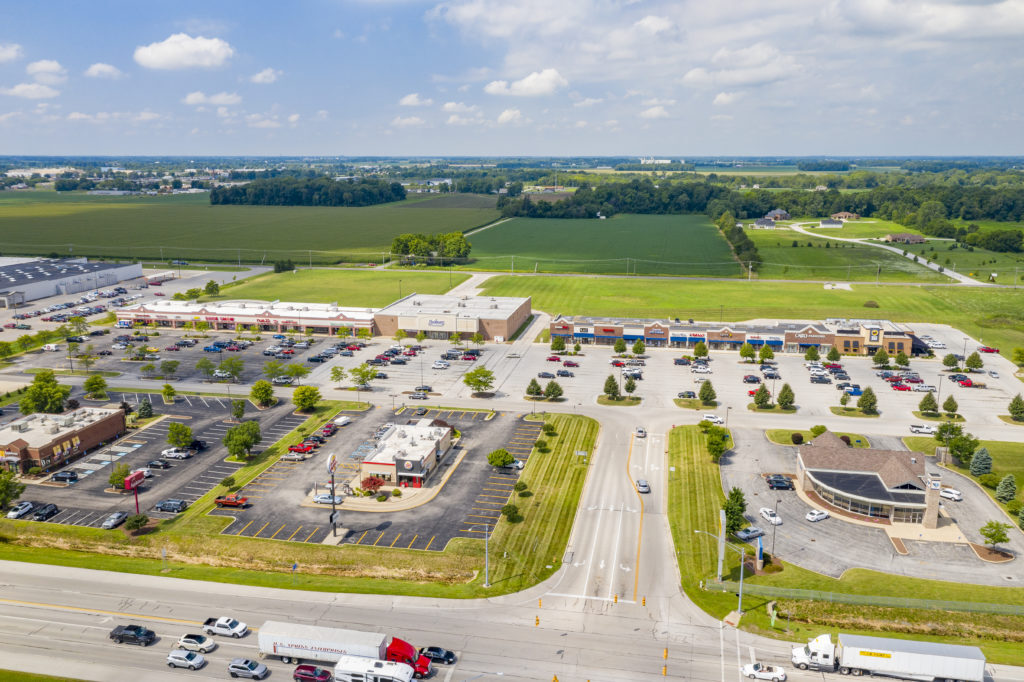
{"x":79,"y":609}
{"x":640,"y":533}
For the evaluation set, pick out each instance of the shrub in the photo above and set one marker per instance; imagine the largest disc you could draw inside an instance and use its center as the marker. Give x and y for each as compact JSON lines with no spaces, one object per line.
{"x":989,"y":480}
{"x":797,"y":438}
{"x":228,"y":482}
{"x":846,"y":439}
{"x":525,"y":493}
{"x":1014,"y":507}
{"x":818,"y":429}
{"x":382,"y":497}
{"x":870,"y":304}
{"x":541,"y":445}
{"x":34,"y":471}
{"x":136,"y":521}
{"x":396,"y":493}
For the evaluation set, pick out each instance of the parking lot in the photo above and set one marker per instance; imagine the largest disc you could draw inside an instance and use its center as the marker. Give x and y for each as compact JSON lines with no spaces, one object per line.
{"x":86,"y":502}
{"x":468,"y":505}
{"x":833,"y":545}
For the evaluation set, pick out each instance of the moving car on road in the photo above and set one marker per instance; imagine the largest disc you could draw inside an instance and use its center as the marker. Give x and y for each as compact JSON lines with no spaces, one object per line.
{"x":760,"y":671}
{"x":179,"y":658}
{"x":197,"y":642}
{"x":438,"y":655}
{"x":642,"y":486}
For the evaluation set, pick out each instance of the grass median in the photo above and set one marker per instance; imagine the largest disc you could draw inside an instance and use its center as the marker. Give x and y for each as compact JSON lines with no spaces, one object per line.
{"x":785,"y":437}
{"x":694,"y":498}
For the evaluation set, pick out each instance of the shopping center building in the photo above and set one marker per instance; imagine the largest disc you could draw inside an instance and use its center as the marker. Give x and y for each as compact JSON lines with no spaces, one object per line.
{"x":851,"y":337}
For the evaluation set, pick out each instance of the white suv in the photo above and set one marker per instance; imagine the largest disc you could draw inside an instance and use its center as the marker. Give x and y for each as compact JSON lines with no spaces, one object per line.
{"x":714,"y":419}
{"x":179,"y":658}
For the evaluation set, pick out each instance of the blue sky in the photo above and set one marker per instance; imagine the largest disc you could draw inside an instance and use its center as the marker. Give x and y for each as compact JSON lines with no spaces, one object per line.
{"x":513,"y":77}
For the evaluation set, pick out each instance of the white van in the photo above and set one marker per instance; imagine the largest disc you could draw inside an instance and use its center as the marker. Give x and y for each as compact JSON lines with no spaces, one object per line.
{"x":52,"y":347}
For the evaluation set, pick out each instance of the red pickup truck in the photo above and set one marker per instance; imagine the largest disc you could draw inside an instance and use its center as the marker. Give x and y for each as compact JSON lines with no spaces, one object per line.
{"x":232,"y":500}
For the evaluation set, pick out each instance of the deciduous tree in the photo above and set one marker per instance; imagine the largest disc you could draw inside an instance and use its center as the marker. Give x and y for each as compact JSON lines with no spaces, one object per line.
{"x":700,"y":350}
{"x":306,"y":398}
{"x":500,"y":458}
{"x":95,"y":386}
{"x":868,"y":401}
{"x":553,"y":390}
{"x":639,"y":347}
{"x":44,"y":394}
{"x":611,"y":387}
{"x":747,"y":352}
{"x":833,"y":354}
{"x":766,"y":353}
{"x":994,"y":533}
{"x":179,"y":435}
{"x":480,"y":380}
{"x":262,"y":393}
{"x":949,"y":405}
{"x":240,"y":440}
{"x":534,"y":389}
{"x":10,"y":489}
{"x":620,"y":346}
{"x":928,"y":403}
{"x":881,"y":358}
{"x":735,"y":506}
{"x":762,"y":397}
{"x":707,"y":393}
{"x":787,"y":398}
{"x":974,"y":361}
{"x":812,"y":354}
{"x":117,"y":476}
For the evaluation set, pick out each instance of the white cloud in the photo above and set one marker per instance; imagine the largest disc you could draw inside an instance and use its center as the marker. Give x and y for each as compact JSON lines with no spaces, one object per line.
{"x":108,"y":116}
{"x":143,"y":116}
{"x":510,"y":116}
{"x":458,"y":107}
{"x":338,"y":34}
{"x":30,"y":91}
{"x":101,"y":70}
{"x":501,"y":19}
{"x":9,"y":52}
{"x":182,"y":51}
{"x":652,"y":24}
{"x":536,"y":84}
{"x":79,"y":116}
{"x":47,"y":71}
{"x":199,"y":98}
{"x":724,"y":99}
{"x":588,"y":102}
{"x":293,"y":118}
{"x":456,"y":120}
{"x":414,"y":100}
{"x":758,"y":64}
{"x":261,"y":121}
{"x":265,"y":76}
{"x":223,"y":112}
{"x":654,"y":112}
{"x":322,"y":115}
{"x":407,"y":121}
{"x":656,"y":101}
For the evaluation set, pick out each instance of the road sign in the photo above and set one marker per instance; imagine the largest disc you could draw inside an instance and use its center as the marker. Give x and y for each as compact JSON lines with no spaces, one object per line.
{"x":334,"y":518}
{"x":332,"y":464}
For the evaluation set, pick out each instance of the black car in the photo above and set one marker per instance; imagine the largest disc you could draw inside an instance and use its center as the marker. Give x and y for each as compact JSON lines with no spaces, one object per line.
{"x":381,"y":375}
{"x":545,"y":375}
{"x":779,"y":482}
{"x":820,"y":380}
{"x":317,"y":439}
{"x":105,"y":352}
{"x":316,"y":358}
{"x":681,"y":361}
{"x":65,"y":477}
{"x":687,"y":394}
{"x":374,"y":361}
{"x":424,"y":389}
{"x":420,"y":411}
{"x":45,"y":512}
{"x":158,"y":464}
{"x":398,"y":361}
{"x":197,"y":445}
{"x":438,"y":655}
{"x":346,"y":353}
{"x":171,"y":506}
{"x":564,"y":373}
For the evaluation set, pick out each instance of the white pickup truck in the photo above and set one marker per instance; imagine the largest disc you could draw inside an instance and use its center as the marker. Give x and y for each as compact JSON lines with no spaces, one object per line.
{"x":923,"y":428}
{"x":225,"y":625}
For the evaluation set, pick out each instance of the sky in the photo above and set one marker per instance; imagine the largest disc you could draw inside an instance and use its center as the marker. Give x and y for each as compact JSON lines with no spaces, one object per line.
{"x":513,"y":77}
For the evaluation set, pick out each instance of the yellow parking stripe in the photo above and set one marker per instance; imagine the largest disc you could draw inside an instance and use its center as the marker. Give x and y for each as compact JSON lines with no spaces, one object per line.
{"x":311,"y":534}
{"x":481,"y":516}
{"x":395,"y":540}
{"x":487,"y":502}
{"x":429,"y":543}
{"x":293,"y":534}
{"x":499,"y":497}
{"x":278,"y":531}
{"x":256,"y":534}
{"x":378,"y":538}
{"x":472,"y":530}
{"x":244,"y":527}
{"x":360,"y":540}
{"x":412,"y":541}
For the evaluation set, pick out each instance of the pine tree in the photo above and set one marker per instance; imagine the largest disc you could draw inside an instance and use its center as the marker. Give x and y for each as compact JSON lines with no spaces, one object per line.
{"x":928,"y":403}
{"x":1017,"y":408}
{"x":707,"y":393}
{"x":981,"y":462}
{"x":949,"y":405}
{"x":145,"y":409}
{"x":762,"y":397}
{"x":786,"y":397}
{"x":611,"y":387}
{"x":1007,"y":489}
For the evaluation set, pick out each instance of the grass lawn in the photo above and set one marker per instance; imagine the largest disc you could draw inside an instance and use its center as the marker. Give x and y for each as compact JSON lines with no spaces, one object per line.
{"x":997,"y":315}
{"x":370,"y":288}
{"x":840,"y":411}
{"x":624,"y":401}
{"x":188,"y":227}
{"x":938,"y":416}
{"x":68,"y":372}
{"x":16,"y":676}
{"x":810,"y":259}
{"x":1007,"y":458}
{"x":624,"y":244}
{"x":694,"y":497}
{"x":866,"y":228}
{"x":692,"y":404}
{"x":1010,"y":420}
{"x":782,"y":437}
{"x":771,"y":408}
{"x":979,"y":263}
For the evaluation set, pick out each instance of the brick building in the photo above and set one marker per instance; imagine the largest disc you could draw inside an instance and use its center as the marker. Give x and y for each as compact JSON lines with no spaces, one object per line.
{"x":49,"y":441}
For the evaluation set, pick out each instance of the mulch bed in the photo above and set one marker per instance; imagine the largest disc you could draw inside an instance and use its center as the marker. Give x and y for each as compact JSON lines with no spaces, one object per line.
{"x":994,"y":556}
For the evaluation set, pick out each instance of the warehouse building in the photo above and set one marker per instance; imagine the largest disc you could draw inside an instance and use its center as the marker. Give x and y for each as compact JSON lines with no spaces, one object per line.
{"x":28,"y":281}
{"x":496,"y":318}
{"x":888,"y":486}
{"x":49,"y":441}
{"x":851,"y":337}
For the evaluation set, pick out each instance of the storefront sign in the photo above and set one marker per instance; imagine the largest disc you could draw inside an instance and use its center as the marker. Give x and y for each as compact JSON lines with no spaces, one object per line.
{"x":435,"y":323}
{"x":583,"y":330}
{"x":655,"y":331}
{"x":407,"y":464}
{"x":874,"y":335}
{"x":609,"y":331}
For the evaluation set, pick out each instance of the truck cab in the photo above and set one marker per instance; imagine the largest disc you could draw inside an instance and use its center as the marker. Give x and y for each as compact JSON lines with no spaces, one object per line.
{"x":818,"y":654}
{"x":401,"y":651}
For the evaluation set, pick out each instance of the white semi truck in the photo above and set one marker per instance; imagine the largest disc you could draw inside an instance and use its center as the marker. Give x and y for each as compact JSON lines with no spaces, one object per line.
{"x":293,"y":642}
{"x":900,"y":658}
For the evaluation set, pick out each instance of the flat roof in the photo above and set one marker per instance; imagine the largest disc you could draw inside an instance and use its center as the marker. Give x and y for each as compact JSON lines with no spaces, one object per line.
{"x":255,"y":308}
{"x":407,"y":441}
{"x":912,"y":646}
{"x":697,"y":326}
{"x":462,"y":306}
{"x":41,"y":429}
{"x":46,"y":269}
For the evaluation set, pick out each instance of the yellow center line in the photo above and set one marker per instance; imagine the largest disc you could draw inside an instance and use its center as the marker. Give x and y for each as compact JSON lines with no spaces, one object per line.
{"x":429,"y":543}
{"x":296,"y":531}
{"x":278,"y":531}
{"x":412,"y":541}
{"x":256,"y":534}
{"x":378,"y":538}
{"x":360,"y":540}
{"x":395,"y":540}
{"x":311,"y":534}
{"x":245,"y":526}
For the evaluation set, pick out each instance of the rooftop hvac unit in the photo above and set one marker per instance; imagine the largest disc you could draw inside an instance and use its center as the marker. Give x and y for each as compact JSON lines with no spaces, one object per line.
{"x":68,"y":421}
{"x":51,"y":428}
{"x":20,"y":427}
{"x":494,"y":305}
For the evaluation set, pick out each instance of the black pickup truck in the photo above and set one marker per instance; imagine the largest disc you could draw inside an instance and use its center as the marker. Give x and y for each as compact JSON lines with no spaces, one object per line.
{"x":133,"y":634}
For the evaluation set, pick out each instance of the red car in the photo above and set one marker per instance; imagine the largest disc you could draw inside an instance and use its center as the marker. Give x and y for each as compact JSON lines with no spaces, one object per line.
{"x":901,"y":387}
{"x":159,"y":293}
{"x":618,"y":363}
{"x":832,"y":365}
{"x":329,"y":429}
{"x":301,"y":448}
{"x":410,"y":353}
{"x":913,"y":380}
{"x":171,"y":347}
{"x":554,"y":358}
{"x":9,"y":325}
{"x":469,"y":357}
{"x":894,"y":379}
{"x":753,"y":393}
{"x":311,"y":673}
{"x":988,"y":349}
{"x":352,"y":347}
{"x":570,"y":363}
{"x":233,"y":349}
{"x":284,"y":351}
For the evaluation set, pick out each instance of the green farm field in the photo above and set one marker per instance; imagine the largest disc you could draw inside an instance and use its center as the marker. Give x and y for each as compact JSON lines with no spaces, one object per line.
{"x":370,"y":288}
{"x":978,"y":263}
{"x":868,"y":228}
{"x":188,"y":227}
{"x":997,"y":315}
{"x":624,"y":244}
{"x":840,"y":261}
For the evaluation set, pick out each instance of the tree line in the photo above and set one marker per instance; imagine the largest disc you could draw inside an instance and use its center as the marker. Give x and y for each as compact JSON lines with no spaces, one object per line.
{"x":446,"y":245}
{"x":321,"y":191}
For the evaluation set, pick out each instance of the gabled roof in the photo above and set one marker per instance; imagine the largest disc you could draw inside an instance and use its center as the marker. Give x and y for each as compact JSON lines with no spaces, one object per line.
{"x":895,"y":468}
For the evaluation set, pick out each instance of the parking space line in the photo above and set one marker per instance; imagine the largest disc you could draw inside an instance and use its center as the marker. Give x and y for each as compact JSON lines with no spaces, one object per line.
{"x":499,"y":497}
{"x":278,"y":531}
{"x":261,"y":529}
{"x":411,"y":541}
{"x":487,"y":502}
{"x":378,"y":538}
{"x":293,"y":534}
{"x":481,"y":516}
{"x":360,"y":540}
{"x":429,"y":543}
{"x":473,"y":530}
{"x":245,"y":526}
{"x":311,"y":534}
{"x":395,"y":540}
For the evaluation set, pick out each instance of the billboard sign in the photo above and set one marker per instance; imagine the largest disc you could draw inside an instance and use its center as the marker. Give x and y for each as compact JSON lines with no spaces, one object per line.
{"x":131,"y":481}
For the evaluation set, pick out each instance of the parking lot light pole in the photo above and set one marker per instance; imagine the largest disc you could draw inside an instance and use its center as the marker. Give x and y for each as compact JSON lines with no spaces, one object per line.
{"x":964,"y":355}
{"x":774,"y":526}
{"x":728,"y":409}
{"x":739,"y":604}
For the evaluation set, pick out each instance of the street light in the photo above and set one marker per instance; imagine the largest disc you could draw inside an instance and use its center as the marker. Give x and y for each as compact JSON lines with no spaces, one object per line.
{"x":487,"y":554}
{"x":739,"y":605}
{"x":964,"y":355}
{"x":774,"y":526}
{"x":727,"y":411}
